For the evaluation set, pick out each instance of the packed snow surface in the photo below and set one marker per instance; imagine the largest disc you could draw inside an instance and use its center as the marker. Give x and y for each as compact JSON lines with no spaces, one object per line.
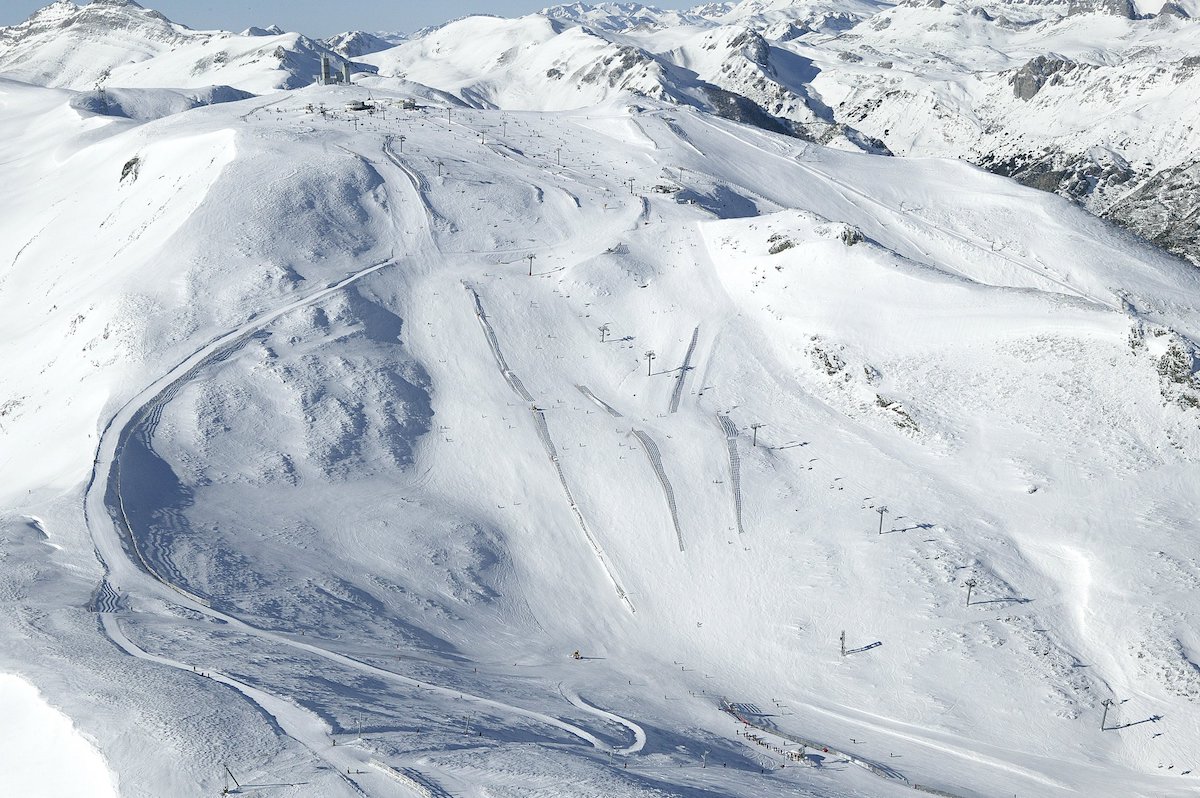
{"x":41,"y":752}
{"x":327,"y":438}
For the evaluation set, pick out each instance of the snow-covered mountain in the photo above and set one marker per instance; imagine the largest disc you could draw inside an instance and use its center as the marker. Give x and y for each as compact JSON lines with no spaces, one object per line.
{"x":622,"y":17}
{"x":1091,"y":104}
{"x":540,"y":62}
{"x":327,"y":437}
{"x":119,"y":43}
{"x":354,"y":44}
{"x":1087,"y":100}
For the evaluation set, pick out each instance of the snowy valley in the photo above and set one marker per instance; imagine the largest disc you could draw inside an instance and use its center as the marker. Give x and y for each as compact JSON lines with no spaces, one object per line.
{"x":604,"y":402}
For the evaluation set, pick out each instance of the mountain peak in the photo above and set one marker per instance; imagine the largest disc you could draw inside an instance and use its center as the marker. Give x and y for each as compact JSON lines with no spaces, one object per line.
{"x":270,"y":30}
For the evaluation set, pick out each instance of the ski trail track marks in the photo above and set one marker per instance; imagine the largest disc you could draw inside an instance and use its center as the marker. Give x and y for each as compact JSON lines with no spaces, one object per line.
{"x":543,"y":430}
{"x":116,"y":544}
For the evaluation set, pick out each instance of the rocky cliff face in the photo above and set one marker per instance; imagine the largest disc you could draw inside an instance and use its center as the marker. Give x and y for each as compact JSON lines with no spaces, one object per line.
{"x":1166,"y":210}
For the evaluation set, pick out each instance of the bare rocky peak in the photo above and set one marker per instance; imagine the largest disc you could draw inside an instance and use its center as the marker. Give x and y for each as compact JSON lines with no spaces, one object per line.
{"x":1174,"y":10}
{"x":1040,"y":70}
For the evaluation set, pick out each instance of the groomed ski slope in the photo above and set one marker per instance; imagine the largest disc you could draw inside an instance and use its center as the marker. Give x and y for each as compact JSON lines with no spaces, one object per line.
{"x":308,"y":474}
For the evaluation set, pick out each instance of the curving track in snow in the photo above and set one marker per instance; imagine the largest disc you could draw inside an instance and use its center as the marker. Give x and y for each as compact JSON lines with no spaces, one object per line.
{"x":297,"y":723}
{"x":639,"y":734}
{"x":110,"y":531}
{"x":104,"y":505}
{"x":123,"y":554}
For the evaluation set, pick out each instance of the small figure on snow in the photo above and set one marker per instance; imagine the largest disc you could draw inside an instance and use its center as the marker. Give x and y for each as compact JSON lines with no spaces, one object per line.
{"x":576,"y":655}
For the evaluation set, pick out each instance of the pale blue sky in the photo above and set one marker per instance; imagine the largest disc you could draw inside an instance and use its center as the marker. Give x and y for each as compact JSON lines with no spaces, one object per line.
{"x":318,"y":17}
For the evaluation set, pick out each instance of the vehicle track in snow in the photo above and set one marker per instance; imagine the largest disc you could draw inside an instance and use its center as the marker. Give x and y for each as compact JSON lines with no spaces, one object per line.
{"x":117,"y":544}
{"x":146,"y":409}
{"x":297,"y":723}
{"x":421,"y":188}
{"x":639,"y":734}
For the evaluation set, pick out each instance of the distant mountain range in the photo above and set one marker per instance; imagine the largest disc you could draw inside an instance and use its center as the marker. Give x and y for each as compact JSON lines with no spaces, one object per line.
{"x":1091,"y":99}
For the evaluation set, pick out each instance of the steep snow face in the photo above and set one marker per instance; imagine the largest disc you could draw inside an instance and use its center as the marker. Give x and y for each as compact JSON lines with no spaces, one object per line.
{"x":42,"y":753}
{"x":740,"y":61}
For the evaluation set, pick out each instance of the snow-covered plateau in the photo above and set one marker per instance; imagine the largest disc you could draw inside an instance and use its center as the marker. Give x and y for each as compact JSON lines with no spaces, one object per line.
{"x":616,"y":402}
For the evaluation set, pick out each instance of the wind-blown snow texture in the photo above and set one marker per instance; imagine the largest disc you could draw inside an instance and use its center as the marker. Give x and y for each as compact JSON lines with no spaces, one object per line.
{"x":315,"y":463}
